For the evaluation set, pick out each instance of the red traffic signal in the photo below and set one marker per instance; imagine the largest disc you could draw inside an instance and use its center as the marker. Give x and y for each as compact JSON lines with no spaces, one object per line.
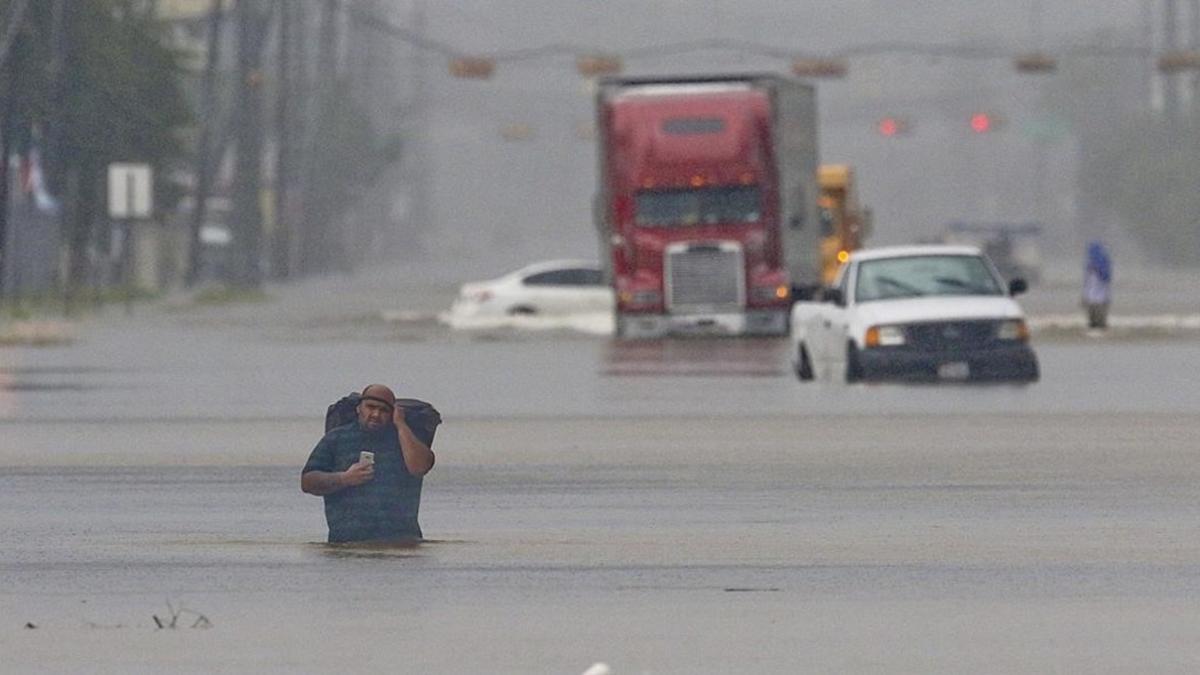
{"x":892,"y":126}
{"x":985,"y":122}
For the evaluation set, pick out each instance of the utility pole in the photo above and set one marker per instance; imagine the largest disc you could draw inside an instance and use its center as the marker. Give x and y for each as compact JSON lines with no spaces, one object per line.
{"x":10,"y":66}
{"x":1193,"y":45}
{"x":1170,"y":45}
{"x":281,"y":244}
{"x":318,"y":246}
{"x":208,"y":114}
{"x":65,"y":178}
{"x":1153,"y":88}
{"x":299,"y":122}
{"x":8,"y":87}
{"x":247,"y":212}
{"x":420,"y":162}
{"x":56,"y":74}
{"x":8,"y":78}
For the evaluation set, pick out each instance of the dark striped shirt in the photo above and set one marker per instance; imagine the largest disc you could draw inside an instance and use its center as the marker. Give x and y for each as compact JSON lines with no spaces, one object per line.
{"x":384,"y":508}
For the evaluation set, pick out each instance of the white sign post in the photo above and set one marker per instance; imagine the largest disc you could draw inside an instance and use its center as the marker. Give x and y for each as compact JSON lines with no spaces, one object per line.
{"x":130,"y":198}
{"x":129,"y":191}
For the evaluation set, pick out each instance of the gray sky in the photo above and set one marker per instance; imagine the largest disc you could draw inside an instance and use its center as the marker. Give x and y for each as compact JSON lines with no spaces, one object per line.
{"x":500,"y":203}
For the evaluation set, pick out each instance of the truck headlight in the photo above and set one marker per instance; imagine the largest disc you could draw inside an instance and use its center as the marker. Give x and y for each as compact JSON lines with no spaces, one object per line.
{"x":1012,"y":329}
{"x":885,"y":336}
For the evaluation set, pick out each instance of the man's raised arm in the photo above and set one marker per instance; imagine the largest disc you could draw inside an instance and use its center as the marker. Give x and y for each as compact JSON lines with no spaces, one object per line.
{"x":418,"y":458}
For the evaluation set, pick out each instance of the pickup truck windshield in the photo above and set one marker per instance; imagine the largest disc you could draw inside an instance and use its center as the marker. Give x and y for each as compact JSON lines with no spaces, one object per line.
{"x":701,"y":206}
{"x":924,"y":275}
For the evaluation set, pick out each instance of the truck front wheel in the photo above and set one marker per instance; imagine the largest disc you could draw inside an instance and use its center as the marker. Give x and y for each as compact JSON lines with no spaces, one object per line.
{"x":853,"y":367}
{"x":803,"y":365}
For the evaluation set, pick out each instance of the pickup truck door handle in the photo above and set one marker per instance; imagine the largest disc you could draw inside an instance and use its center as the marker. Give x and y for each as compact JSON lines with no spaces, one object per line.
{"x":828,"y":323}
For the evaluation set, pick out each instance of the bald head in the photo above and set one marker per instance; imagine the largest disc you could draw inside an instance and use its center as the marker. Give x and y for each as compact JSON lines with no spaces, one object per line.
{"x":376,"y":407}
{"x":381,"y":393}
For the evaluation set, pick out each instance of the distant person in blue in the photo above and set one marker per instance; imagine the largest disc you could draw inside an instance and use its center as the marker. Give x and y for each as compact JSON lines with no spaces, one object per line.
{"x":1097,"y":285}
{"x":369,"y":472}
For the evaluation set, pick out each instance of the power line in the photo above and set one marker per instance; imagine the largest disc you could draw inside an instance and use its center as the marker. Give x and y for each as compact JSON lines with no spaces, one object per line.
{"x":886,"y":48}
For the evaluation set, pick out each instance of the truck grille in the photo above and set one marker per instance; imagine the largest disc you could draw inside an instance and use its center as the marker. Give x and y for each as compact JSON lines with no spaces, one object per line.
{"x":952,"y":335}
{"x":704,"y":276}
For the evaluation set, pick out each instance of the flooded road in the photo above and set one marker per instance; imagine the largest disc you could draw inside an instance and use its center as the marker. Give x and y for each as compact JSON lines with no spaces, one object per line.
{"x":675,"y":507}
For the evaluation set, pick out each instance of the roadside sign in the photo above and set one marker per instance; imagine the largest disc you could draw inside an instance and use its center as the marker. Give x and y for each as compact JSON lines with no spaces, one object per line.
{"x":129,"y":191}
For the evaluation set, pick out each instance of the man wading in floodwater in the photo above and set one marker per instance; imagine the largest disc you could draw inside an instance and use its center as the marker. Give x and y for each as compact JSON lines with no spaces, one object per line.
{"x":369,"y":472}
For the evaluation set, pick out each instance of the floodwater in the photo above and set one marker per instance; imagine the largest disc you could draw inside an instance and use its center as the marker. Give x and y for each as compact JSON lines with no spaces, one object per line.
{"x":662,"y":507}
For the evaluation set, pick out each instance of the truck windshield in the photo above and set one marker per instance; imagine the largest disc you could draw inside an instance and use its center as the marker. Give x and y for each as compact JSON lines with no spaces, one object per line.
{"x":921,"y":275}
{"x":701,"y":206}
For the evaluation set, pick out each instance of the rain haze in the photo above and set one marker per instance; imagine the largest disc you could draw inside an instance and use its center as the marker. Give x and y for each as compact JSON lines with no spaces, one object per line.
{"x":499,"y":203}
{"x":337,"y":186}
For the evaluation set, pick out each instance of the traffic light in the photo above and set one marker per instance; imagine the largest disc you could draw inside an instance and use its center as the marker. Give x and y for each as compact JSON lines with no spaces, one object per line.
{"x":598,"y":65}
{"x":1178,"y":61}
{"x":1035,"y":63}
{"x":985,"y":122}
{"x":824,"y":68}
{"x":472,"y":67}
{"x":892,"y":126}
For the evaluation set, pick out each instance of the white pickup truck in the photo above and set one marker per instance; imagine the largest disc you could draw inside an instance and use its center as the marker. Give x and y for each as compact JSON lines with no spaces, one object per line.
{"x":934,"y":312}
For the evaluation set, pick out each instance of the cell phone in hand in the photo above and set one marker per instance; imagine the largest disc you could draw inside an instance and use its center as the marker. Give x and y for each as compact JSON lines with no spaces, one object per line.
{"x":366,"y":457}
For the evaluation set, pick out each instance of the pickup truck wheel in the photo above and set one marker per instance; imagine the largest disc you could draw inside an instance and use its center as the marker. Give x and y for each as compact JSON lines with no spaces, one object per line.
{"x":803,"y":364}
{"x":853,"y":367}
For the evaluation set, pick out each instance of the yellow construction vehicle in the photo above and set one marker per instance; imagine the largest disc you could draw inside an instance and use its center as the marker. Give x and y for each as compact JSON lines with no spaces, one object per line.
{"x":844,"y":222}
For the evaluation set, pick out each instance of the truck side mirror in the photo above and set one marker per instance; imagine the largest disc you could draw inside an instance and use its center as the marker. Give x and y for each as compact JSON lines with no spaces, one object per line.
{"x":1017,"y":286}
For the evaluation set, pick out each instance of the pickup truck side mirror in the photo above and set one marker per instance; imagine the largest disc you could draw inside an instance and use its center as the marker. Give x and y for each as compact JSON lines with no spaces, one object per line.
{"x":1017,"y":286}
{"x":833,"y":295}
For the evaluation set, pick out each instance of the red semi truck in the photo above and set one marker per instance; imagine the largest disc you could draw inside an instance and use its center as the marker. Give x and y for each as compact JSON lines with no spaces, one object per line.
{"x":707,"y":209}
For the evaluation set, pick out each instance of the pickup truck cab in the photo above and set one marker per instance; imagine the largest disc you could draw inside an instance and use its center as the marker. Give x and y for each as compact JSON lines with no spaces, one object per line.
{"x":936,"y":312}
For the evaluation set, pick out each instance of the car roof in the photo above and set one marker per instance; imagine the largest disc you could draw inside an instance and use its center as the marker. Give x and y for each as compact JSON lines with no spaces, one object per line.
{"x":548,"y":265}
{"x":914,"y":250}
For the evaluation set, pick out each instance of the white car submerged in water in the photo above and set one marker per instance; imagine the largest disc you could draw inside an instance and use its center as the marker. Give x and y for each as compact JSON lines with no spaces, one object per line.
{"x":549,"y":290}
{"x":914,"y":312}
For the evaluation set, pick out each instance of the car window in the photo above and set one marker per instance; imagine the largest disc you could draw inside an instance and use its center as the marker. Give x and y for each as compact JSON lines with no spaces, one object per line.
{"x":585,"y":276}
{"x":924,"y":275}
{"x":571,"y":276}
{"x":551,"y":278}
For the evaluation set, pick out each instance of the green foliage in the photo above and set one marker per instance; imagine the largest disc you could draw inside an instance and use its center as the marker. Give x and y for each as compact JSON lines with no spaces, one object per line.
{"x":121,"y":99}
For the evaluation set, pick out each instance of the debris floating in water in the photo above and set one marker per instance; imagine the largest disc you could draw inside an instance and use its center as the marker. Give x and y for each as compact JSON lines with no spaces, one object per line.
{"x":171,"y":622}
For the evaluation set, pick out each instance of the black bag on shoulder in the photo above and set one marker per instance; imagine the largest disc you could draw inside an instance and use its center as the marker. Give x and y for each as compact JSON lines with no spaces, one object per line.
{"x":421,"y":417}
